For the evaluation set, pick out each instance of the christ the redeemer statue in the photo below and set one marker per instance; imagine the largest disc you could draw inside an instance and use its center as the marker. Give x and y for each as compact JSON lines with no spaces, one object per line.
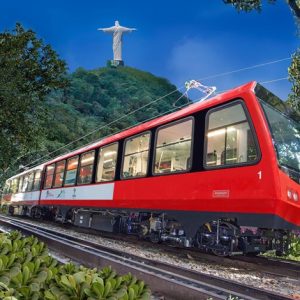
{"x":117,"y":32}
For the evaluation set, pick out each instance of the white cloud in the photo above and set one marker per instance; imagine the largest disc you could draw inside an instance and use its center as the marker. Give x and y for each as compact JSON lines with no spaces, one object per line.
{"x":195,"y":59}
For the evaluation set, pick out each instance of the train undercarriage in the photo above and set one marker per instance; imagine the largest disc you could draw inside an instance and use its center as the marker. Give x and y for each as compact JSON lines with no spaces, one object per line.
{"x":222,"y":237}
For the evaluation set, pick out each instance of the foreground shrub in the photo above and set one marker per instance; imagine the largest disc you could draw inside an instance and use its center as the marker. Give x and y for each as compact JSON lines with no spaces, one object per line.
{"x":27,"y":271}
{"x":294,"y":247}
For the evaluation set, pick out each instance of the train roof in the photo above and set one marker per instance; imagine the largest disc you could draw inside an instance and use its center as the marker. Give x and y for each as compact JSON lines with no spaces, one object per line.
{"x":39,"y":167}
{"x":197,"y":106}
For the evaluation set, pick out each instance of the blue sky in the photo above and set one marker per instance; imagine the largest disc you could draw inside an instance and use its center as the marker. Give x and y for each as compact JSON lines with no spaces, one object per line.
{"x":178,"y":40}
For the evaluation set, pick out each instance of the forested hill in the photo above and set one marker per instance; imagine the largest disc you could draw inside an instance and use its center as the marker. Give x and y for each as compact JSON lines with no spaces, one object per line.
{"x":98,"y":97}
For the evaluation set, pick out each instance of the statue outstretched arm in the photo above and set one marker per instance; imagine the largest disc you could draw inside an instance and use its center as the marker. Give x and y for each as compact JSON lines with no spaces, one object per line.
{"x":109,"y":29}
{"x":125,"y":29}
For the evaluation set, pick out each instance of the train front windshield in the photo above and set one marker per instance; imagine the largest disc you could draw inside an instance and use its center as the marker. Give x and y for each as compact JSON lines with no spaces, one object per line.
{"x":286,"y":136}
{"x":285,"y":131}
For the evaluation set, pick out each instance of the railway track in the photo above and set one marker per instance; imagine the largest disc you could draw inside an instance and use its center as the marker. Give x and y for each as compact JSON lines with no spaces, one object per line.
{"x":267,"y":265}
{"x":263,"y":264}
{"x":164,"y":279}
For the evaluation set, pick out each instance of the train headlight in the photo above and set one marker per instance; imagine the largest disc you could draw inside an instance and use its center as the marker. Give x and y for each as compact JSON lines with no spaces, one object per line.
{"x":292,"y":195}
{"x":295,"y":196}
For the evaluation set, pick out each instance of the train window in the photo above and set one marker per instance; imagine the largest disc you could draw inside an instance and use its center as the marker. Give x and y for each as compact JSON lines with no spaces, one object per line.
{"x":173,"y":147}
{"x":14,"y":185}
{"x":107,"y":161}
{"x":86,"y":168}
{"x":7,"y":188}
{"x":25,"y":183}
{"x":229,"y":139}
{"x":49,"y":176}
{"x":20,"y":184}
{"x":135,"y":161}
{"x":30,"y":182}
{"x":72,"y":165}
{"x":59,"y":174}
{"x":37,"y":181}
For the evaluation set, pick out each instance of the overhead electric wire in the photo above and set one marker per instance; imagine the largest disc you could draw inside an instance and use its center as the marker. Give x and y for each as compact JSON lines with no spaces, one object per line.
{"x":245,"y":69}
{"x":154,"y":101}
{"x":275,"y":80}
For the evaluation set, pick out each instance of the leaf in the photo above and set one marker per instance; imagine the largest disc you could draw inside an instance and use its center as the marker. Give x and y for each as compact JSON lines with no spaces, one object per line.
{"x":79,"y":277}
{"x":135,"y":287}
{"x":4,"y":250}
{"x":4,"y":279}
{"x":10,"y":298}
{"x":121,"y":293}
{"x":3,"y":286}
{"x":16,"y":245}
{"x":98,"y":289}
{"x":25,"y":291}
{"x":131,"y":294}
{"x":49,"y":275}
{"x":88,"y":292}
{"x":64,"y":280}
{"x":26,"y":274}
{"x":107,"y":289}
{"x":119,"y":280}
{"x":72,"y":281}
{"x":30,"y":266}
{"x":4,"y":261}
{"x":34,"y":287}
{"x":56,"y":291}
{"x":17,"y":279}
{"x":28,"y":257}
{"x":14,"y":271}
{"x":146,"y":295}
{"x":113,"y":283}
{"x":37,"y":264}
{"x":133,"y":280}
{"x":141,"y":285}
{"x":48,"y":295}
{"x":11,"y":260}
{"x":42,"y":276}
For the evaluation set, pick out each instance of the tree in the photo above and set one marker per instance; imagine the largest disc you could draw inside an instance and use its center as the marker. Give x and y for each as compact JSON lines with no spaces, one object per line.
{"x":294,"y":77}
{"x":29,"y":70}
{"x":294,"y":69}
{"x":249,"y":5}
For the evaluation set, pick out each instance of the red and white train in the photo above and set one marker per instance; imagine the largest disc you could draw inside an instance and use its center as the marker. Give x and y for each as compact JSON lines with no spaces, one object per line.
{"x":221,"y":175}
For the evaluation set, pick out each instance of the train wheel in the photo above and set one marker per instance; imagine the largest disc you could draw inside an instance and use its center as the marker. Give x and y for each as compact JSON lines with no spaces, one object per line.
{"x":143,"y":230}
{"x":207,"y":238}
{"x":154,"y":237}
{"x":36,"y":212}
{"x":279,"y":253}
{"x":221,"y":252}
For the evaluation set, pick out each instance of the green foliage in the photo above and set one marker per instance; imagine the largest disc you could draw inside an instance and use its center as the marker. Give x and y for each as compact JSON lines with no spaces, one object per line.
{"x":97,"y":98}
{"x":28,"y":272}
{"x":294,"y":77}
{"x":29,"y":70}
{"x":247,"y":5}
{"x":294,"y":248}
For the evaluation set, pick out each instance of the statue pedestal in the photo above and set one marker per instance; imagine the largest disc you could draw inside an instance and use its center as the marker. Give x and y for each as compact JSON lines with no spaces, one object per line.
{"x":115,"y":63}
